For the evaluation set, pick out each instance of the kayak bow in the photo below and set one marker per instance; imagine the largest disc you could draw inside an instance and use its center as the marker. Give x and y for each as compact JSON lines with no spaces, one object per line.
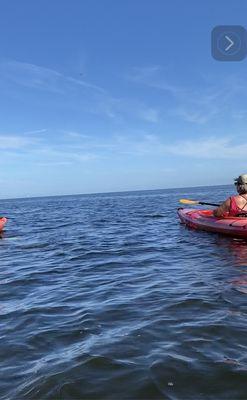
{"x":205,"y":220}
{"x":3,"y":221}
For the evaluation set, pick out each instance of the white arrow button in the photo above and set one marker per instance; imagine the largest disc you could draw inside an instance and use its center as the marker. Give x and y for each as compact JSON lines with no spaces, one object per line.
{"x":231,"y":43}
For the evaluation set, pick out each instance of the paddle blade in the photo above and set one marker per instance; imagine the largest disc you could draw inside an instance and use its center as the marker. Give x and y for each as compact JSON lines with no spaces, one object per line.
{"x":186,"y":201}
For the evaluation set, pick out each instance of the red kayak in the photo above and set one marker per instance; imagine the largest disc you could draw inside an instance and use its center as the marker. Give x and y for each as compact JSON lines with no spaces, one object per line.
{"x":205,"y":220}
{"x":3,"y":221}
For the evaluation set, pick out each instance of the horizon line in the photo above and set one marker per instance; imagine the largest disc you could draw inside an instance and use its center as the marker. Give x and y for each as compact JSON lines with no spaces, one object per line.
{"x":111,"y":192}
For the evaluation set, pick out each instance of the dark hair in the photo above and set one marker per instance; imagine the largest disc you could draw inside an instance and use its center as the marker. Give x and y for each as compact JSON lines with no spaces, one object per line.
{"x":241,"y":187}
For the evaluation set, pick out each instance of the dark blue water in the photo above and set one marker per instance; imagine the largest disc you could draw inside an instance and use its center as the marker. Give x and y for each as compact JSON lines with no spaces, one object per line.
{"x":109,"y":297}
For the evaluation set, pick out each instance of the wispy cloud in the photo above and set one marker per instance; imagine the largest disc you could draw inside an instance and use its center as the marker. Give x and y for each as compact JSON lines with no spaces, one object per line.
{"x":8,"y":142}
{"x":38,"y":151}
{"x":240,"y":115}
{"x":152,"y":76}
{"x":75,"y":135}
{"x":83,"y":149}
{"x":36,"y":132}
{"x":200,"y":148}
{"x":90,"y":98}
{"x":149,"y":114}
{"x":209,"y":148}
{"x":207,"y":101}
{"x":62,"y":154}
{"x":51,"y":164}
{"x":42,"y":78}
{"x":144,"y":144}
{"x":197,"y":114}
{"x":213,"y":148}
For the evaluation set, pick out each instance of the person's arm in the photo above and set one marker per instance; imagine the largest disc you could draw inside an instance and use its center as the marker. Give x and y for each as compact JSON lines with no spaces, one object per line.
{"x":222,"y":209}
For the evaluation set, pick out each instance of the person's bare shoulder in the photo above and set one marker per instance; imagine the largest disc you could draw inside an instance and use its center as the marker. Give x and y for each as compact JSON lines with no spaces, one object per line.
{"x":223,"y":208}
{"x":240,"y":200}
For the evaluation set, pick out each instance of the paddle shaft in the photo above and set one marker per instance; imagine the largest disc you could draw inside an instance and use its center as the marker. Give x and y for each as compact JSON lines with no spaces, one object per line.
{"x":202,"y":203}
{"x":195,"y":202}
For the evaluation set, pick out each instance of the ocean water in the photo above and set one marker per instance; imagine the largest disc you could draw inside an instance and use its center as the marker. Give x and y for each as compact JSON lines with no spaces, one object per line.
{"x":108,"y":297}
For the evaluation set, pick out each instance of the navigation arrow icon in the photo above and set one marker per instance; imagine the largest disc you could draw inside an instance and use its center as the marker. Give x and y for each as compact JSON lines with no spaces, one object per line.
{"x":231,"y":43}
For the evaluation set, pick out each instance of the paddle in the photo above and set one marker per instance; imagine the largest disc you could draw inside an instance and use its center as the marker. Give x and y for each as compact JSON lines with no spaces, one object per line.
{"x":193,"y":202}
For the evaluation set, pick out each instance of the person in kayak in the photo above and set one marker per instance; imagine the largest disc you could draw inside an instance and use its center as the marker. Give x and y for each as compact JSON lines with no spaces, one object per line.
{"x":235,"y":206}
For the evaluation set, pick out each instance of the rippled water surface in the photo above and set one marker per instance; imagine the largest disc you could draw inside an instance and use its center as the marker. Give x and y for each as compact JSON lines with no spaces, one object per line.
{"x":109,"y":297}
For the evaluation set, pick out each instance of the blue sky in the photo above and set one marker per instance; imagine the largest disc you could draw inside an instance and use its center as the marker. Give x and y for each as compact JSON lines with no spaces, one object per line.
{"x":106,"y":95}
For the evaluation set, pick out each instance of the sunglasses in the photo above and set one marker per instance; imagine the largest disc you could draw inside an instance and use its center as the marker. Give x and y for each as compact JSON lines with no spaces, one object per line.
{"x":236,"y":183}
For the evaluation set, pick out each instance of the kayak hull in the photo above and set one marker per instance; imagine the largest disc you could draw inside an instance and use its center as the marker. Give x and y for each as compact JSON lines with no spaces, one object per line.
{"x":205,"y":220}
{"x":3,"y":221}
